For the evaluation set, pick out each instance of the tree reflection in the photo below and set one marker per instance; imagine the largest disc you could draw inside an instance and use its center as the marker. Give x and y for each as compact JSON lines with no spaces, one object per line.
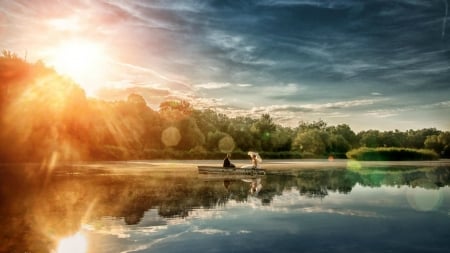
{"x":39,"y":207}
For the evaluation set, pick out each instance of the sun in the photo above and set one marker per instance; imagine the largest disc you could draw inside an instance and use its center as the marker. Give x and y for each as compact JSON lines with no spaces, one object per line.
{"x":81,"y":60}
{"x":73,"y":244}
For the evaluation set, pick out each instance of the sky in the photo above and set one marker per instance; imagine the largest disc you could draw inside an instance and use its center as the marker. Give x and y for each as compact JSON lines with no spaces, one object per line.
{"x":371,"y":64}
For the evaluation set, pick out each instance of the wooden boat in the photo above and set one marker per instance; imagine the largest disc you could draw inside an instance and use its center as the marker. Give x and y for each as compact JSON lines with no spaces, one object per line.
{"x":230,"y":171}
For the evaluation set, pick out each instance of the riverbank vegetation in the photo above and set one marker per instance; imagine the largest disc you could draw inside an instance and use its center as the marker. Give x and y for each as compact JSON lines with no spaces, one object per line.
{"x":46,"y":117}
{"x":392,"y":154}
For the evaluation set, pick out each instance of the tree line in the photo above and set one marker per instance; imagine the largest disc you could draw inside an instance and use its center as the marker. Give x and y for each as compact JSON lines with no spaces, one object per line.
{"x":47,"y":117}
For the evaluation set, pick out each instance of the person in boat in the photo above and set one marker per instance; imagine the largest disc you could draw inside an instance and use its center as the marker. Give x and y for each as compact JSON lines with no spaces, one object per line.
{"x":227,"y":163}
{"x":254,"y":162}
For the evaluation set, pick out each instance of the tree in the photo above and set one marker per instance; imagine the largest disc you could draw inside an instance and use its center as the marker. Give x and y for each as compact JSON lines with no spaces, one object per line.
{"x":347,"y":133}
{"x":266,"y":128}
{"x":311,"y":141}
{"x":212,"y":140}
{"x":137,"y":99}
{"x":416,"y":138}
{"x":370,"y":138}
{"x":191,"y":136}
{"x":338,"y":144}
{"x":319,"y":125}
{"x":175,"y":110}
{"x":244,"y":133}
{"x":439,"y":143}
{"x":282,"y":139}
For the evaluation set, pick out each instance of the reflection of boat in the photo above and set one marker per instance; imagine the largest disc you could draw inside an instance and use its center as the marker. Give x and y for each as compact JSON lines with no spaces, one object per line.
{"x":231,"y":171}
{"x":255,"y":185}
{"x":227,"y":176}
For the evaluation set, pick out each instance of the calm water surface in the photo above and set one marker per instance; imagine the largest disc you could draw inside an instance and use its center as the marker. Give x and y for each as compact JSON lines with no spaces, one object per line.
{"x":313,"y":210}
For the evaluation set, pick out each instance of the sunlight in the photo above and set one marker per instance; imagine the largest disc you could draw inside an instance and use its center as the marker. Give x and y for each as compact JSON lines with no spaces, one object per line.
{"x":64,"y":24}
{"x":73,"y":244}
{"x":81,"y":60}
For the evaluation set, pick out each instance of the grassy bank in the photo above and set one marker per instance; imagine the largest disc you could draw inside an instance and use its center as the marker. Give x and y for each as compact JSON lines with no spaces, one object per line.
{"x":392,"y":154}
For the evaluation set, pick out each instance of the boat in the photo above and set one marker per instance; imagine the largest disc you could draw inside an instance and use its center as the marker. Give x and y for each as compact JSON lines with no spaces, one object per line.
{"x":230,"y":171}
{"x":244,"y":170}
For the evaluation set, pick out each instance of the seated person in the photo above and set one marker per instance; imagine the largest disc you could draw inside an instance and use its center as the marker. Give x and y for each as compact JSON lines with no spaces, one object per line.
{"x":227,"y":163}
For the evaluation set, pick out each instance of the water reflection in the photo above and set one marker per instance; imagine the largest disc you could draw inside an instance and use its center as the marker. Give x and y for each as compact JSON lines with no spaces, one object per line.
{"x":39,"y":207}
{"x":424,"y":199}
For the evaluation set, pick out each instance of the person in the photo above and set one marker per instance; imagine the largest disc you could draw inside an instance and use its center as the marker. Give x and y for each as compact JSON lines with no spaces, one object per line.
{"x":227,"y":163}
{"x":254,"y":162}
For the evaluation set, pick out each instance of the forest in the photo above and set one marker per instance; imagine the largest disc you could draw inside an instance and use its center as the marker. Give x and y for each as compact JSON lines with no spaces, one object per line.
{"x":47,"y":117}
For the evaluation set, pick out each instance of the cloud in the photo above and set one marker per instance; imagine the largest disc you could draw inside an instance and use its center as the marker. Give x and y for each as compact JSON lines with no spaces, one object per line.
{"x":400,"y":109}
{"x":211,"y":231}
{"x":153,"y":97}
{"x":336,"y":4}
{"x":153,"y":74}
{"x":212,"y":85}
{"x":304,"y":58}
{"x":443,"y":104}
{"x":322,"y":106}
{"x":382,"y":113}
{"x":244,"y":85}
{"x":282,"y":89}
{"x":348,"y":212}
{"x":284,"y":108}
{"x":238,"y":48}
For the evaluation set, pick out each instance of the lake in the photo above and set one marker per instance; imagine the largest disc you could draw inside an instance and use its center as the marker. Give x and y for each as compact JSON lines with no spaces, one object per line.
{"x":100,"y":209}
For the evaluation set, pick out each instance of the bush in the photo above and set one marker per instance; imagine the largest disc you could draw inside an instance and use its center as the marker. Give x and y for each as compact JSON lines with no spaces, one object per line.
{"x":392,"y":154}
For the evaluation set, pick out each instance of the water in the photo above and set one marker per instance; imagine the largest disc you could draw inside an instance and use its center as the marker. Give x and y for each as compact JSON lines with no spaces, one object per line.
{"x":311,"y":210}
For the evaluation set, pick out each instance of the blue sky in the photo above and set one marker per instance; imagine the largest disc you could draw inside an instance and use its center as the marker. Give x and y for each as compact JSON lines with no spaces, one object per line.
{"x":370,"y":64}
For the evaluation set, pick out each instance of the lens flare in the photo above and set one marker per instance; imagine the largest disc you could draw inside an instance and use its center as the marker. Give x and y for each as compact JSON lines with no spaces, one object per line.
{"x":226,"y":144}
{"x":353,"y":165}
{"x":73,"y":244}
{"x":171,"y":136}
{"x":424,"y":199}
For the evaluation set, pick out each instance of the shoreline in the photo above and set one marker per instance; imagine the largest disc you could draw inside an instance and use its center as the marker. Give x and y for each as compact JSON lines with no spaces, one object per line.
{"x":268,"y":165}
{"x":190,"y":166}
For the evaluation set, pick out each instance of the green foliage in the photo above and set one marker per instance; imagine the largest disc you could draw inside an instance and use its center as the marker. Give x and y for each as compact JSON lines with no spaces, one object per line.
{"x":281,"y":155}
{"x":439,"y":143}
{"x":311,"y":141}
{"x":391,"y":154}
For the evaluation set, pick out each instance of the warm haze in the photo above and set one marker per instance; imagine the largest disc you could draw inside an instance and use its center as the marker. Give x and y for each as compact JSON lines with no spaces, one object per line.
{"x":370,"y":64}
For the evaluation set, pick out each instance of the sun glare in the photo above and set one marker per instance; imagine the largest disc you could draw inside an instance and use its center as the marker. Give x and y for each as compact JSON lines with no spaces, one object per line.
{"x":81,"y":60}
{"x":73,"y":244}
